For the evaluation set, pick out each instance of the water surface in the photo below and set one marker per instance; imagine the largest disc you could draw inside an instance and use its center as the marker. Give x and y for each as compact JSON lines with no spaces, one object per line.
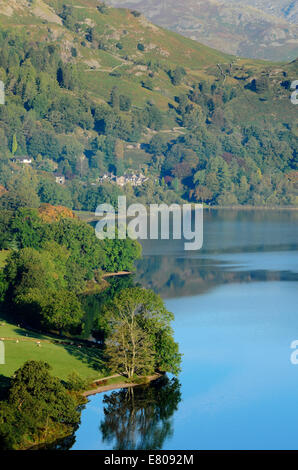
{"x":235,"y":306}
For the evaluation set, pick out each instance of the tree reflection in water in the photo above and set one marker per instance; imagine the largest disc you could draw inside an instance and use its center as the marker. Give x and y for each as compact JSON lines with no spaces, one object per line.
{"x":141,"y":417}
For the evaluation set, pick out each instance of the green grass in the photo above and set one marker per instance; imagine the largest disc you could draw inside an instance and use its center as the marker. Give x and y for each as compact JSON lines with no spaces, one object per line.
{"x":64,"y":359}
{"x":135,"y":157}
{"x":21,"y":346}
{"x":100,"y":83}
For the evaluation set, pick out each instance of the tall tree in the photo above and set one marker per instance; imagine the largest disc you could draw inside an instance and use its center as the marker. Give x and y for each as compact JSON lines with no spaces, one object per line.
{"x":14,"y":147}
{"x":139,"y":329}
{"x":129,"y":349}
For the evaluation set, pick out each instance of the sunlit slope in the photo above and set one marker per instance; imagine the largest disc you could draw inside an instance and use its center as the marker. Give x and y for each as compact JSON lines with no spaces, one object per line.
{"x":124,"y":44}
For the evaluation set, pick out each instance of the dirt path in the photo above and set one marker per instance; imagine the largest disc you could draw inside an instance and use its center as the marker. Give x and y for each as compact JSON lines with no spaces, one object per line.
{"x":120,"y":273}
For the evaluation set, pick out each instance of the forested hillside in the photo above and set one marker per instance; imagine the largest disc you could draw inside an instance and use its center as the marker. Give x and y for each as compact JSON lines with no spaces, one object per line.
{"x":92,"y":89}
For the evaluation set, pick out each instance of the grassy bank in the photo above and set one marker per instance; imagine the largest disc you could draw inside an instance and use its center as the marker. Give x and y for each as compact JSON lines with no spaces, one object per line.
{"x":65,"y":356}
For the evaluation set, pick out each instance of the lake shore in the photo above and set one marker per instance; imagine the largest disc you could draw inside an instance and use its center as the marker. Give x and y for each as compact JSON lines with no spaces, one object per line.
{"x":103,"y":387}
{"x":250,"y":208}
{"x":90,"y":216}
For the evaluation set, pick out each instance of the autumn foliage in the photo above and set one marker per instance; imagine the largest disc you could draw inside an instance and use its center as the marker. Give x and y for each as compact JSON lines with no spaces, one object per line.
{"x":2,"y":190}
{"x":49,"y":213}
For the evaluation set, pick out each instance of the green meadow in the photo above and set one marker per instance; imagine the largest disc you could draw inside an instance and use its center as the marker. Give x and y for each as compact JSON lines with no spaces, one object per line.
{"x":22,"y":345}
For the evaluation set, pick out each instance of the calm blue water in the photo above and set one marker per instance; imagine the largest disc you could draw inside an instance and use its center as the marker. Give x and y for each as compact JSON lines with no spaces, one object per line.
{"x":235,"y":306}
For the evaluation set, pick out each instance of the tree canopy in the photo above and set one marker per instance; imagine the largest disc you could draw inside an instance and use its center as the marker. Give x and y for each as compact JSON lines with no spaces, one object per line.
{"x":139,"y":335}
{"x":38,"y":406}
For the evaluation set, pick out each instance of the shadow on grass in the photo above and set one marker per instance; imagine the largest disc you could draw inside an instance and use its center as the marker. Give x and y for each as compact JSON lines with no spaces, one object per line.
{"x":93,"y":357}
{"x":31,"y":334}
{"x":7,"y":316}
{"x":83,"y":350}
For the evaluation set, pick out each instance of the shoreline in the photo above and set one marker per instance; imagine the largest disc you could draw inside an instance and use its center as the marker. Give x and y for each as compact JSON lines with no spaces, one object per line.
{"x":117,"y":385}
{"x":101,"y":389}
{"x":89,"y":217}
{"x":255,"y":208}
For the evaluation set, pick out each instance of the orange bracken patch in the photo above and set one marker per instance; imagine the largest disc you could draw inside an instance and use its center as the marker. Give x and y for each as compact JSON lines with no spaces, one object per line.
{"x":49,"y":213}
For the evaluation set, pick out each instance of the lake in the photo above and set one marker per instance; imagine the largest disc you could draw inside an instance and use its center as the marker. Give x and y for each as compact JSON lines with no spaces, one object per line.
{"x":236,"y":315}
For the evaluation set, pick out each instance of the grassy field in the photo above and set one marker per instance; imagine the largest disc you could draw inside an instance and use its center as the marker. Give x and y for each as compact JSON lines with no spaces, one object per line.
{"x":21,"y":345}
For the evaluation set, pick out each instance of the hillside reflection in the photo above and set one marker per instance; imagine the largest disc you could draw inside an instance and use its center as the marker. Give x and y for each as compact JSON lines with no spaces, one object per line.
{"x":172,"y":277}
{"x":232,"y":239}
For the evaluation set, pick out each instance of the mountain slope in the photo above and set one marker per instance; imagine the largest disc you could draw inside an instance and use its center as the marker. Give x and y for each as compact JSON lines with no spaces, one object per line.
{"x":287,"y":9}
{"x":236,"y":27}
{"x":119,"y":42}
{"x":91,"y":89}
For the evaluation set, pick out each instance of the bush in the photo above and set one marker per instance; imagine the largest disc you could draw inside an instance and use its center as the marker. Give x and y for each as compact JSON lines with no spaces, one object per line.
{"x":148,"y":83}
{"x":102,"y":8}
{"x":75,"y":383}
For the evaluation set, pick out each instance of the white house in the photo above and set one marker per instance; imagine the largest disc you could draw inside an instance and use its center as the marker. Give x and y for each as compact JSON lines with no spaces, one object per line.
{"x":25,"y":160}
{"x":60,"y":179}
